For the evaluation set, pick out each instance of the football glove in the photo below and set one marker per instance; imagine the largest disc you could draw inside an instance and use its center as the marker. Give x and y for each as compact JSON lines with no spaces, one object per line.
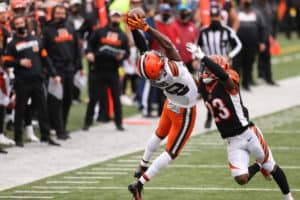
{"x":137,"y":23}
{"x":195,"y":50}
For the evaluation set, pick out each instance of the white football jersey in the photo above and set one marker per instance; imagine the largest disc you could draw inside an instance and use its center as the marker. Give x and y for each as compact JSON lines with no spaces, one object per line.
{"x":178,"y":84}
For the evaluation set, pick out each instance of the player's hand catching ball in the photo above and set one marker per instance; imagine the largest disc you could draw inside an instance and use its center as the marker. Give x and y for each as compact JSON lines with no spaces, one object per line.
{"x":135,"y":19}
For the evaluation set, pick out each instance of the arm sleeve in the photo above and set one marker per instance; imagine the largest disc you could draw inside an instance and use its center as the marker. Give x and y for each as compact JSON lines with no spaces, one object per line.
{"x":235,"y":43}
{"x":140,"y":41}
{"x":78,"y":57}
{"x":9,"y":57}
{"x":46,"y":61}
{"x":215,"y":68}
{"x":92,"y":42}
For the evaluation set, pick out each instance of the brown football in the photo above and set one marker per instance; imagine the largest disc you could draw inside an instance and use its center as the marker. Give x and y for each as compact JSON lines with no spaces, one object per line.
{"x":138,"y":11}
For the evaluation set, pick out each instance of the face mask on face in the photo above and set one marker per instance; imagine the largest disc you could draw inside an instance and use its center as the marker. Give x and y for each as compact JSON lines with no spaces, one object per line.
{"x":184,"y":16}
{"x":165,"y":17}
{"x":60,"y":21}
{"x":247,"y":5}
{"x":215,"y":24}
{"x":21,"y":30}
{"x":115,"y":24}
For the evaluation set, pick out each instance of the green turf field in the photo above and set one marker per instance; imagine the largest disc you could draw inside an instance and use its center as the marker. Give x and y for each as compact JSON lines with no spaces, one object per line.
{"x":201,"y":172}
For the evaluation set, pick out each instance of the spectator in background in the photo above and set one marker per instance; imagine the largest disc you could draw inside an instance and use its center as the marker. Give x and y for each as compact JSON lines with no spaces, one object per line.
{"x":228,"y":13}
{"x":292,"y":12}
{"x":26,"y":54}
{"x":218,"y":39}
{"x":251,"y":33}
{"x":188,"y":32}
{"x":264,"y":58}
{"x":61,"y":41}
{"x":107,"y":48}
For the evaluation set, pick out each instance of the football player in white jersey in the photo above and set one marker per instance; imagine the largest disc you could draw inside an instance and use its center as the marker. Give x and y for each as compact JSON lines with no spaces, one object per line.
{"x":220,"y":91}
{"x":179,"y":112}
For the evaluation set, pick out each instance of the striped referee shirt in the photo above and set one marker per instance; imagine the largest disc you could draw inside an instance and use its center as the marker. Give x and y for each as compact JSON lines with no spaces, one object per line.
{"x":221,"y":40}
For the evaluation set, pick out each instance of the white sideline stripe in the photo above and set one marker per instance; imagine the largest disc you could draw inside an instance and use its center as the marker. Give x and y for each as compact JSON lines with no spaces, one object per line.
{"x":111,"y":169}
{"x":206,"y":143}
{"x":200,"y":149}
{"x":285,"y":58}
{"x":157,"y":154}
{"x":87,"y":177}
{"x":42,"y":191}
{"x":72,"y":182}
{"x":281,"y":132}
{"x":174,"y":188}
{"x":102,"y":173}
{"x":128,"y":161}
{"x":202,"y":166}
{"x":26,"y":197}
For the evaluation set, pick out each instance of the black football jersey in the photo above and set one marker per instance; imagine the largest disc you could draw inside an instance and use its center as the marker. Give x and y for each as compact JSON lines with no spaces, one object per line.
{"x":231,"y":117}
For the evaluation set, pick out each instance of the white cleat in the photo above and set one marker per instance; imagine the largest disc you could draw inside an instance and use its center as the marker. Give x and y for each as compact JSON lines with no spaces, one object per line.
{"x":5,"y":140}
{"x":288,"y":197}
{"x":30,"y":134}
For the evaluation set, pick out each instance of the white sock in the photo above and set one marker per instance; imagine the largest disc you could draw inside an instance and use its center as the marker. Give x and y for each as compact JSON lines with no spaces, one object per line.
{"x":288,"y":196}
{"x":151,"y":147}
{"x":158,"y":164}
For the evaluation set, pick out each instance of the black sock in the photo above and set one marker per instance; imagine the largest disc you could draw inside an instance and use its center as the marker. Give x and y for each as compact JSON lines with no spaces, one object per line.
{"x":281,"y":180}
{"x":252,"y":170}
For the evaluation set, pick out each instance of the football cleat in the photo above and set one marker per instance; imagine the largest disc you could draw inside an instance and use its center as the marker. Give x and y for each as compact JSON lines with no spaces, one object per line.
{"x":266,"y":174}
{"x":136,"y":190}
{"x":140,"y":171}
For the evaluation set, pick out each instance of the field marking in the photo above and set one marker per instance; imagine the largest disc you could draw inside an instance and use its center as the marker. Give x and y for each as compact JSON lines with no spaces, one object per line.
{"x":42,"y":191}
{"x":285,"y":59}
{"x":213,"y":166}
{"x":110,"y":169}
{"x":101,"y":173}
{"x":200,"y":148}
{"x":237,"y":189}
{"x":281,"y":132}
{"x":128,"y":161}
{"x":25,"y":197}
{"x":87,"y":177}
{"x":72,"y":182}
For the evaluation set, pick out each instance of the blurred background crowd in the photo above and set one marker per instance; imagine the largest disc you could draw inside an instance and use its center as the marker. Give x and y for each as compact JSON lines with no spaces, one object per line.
{"x":53,"y":51}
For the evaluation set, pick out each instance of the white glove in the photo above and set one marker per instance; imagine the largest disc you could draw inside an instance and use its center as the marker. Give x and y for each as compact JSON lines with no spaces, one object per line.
{"x":195,"y":50}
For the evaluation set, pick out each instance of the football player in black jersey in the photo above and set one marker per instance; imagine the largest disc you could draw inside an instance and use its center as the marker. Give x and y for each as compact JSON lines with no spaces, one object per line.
{"x":219,"y":88}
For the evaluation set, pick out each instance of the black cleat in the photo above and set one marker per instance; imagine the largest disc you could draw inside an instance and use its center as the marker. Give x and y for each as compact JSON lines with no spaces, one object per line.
{"x":19,"y":143}
{"x":120,"y":128}
{"x":140,"y":171}
{"x":64,"y":136}
{"x":52,"y":142}
{"x":136,"y":190}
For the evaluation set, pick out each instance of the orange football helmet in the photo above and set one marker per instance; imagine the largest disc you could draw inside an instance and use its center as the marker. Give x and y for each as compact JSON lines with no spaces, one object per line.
{"x":150,"y":65}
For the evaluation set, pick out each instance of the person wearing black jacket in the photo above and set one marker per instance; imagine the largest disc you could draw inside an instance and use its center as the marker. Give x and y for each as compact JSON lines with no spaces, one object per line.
{"x":61,"y":42}
{"x":26,"y":54}
{"x":107,"y":48}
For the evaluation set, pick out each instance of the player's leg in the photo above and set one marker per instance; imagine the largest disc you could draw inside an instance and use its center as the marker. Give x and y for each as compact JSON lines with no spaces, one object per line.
{"x":259,"y":148}
{"x":153,"y":144}
{"x":238,"y":159}
{"x":182,"y":125}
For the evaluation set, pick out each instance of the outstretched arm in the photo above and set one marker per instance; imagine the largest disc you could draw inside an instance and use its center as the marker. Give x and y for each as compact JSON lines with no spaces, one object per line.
{"x":212,"y":66}
{"x":162,"y":40}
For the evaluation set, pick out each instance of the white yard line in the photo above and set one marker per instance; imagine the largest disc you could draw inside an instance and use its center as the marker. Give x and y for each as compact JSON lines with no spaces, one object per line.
{"x":88,"y":177}
{"x":101,"y":173}
{"x":42,"y":191}
{"x":72,"y":182}
{"x":25,"y":197}
{"x":235,"y":189}
{"x":111,"y":169}
{"x":200,"y":148}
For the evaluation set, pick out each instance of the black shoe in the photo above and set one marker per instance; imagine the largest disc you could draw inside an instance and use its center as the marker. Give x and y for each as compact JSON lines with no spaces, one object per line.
{"x":19,"y":143}
{"x":2,"y":151}
{"x":52,"y":142}
{"x":136,"y":190}
{"x":85,"y":128}
{"x":63,"y":136}
{"x":272,"y":83}
{"x":103,"y":120}
{"x":140,"y":171}
{"x":120,"y":128}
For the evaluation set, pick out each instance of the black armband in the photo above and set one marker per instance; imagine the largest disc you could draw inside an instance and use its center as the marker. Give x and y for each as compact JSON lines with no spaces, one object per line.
{"x":215,"y":68}
{"x":140,"y":41}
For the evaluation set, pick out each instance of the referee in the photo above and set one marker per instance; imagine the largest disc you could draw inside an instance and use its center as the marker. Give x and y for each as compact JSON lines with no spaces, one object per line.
{"x":218,"y":39}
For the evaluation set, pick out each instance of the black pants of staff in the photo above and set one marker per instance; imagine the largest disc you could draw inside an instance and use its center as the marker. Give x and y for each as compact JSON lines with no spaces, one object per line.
{"x":2,"y":117}
{"x":98,"y":84}
{"x":243,"y":64}
{"x":264,"y":64}
{"x":35,"y":91}
{"x":59,"y":109}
